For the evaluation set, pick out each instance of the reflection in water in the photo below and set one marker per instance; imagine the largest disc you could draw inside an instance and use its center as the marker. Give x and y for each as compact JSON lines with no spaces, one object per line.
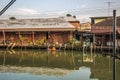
{"x":72,"y":65}
{"x":10,"y":51}
{"x":87,"y":57}
{"x":4,"y":58}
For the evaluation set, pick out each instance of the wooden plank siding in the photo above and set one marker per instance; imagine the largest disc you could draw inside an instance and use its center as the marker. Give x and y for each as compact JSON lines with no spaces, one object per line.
{"x":53,"y":37}
{"x":36,"y":31}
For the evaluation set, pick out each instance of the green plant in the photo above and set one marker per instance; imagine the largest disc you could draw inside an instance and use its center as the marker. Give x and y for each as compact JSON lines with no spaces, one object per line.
{"x":12,"y":18}
{"x":72,"y":41}
{"x":21,"y":38}
{"x":68,"y":15}
{"x":17,"y":42}
{"x":31,"y":43}
{"x":40,"y":41}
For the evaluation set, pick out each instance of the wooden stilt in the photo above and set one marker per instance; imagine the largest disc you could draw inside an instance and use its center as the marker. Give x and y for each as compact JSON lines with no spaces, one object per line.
{"x":9,"y":45}
{"x":4,"y":38}
{"x":19,"y":37}
{"x":84,"y":46}
{"x":33,"y":38}
{"x":71,"y":35}
{"x":65,"y":46}
{"x":101,"y":48}
{"x":102,"y":42}
{"x":91,"y":47}
{"x":13,"y":45}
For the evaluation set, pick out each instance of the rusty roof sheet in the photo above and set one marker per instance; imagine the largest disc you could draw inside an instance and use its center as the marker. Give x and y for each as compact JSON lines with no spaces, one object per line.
{"x":108,"y":22}
{"x":105,"y":26}
{"x":36,"y":24}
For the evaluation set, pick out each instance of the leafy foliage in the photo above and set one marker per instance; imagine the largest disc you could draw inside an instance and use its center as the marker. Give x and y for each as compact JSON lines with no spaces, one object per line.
{"x":21,"y":38}
{"x":40,"y":41}
{"x":12,"y":18}
{"x":68,"y":15}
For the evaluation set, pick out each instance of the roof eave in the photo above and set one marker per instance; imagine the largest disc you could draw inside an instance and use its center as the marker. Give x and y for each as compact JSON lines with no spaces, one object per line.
{"x":38,"y":29}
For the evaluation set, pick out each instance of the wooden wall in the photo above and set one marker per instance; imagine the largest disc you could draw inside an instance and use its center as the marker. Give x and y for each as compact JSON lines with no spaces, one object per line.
{"x":50,"y":37}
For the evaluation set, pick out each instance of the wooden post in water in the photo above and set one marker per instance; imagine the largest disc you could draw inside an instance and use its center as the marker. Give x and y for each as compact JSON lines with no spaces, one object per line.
{"x":114,"y":46}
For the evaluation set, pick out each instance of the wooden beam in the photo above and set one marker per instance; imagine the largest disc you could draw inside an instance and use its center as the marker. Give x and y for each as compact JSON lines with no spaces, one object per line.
{"x":4,"y":37}
{"x":33,"y":37}
{"x":19,"y":37}
{"x":71,"y":35}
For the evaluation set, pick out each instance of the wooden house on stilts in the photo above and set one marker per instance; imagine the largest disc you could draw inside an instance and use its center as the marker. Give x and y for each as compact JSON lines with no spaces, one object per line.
{"x":35,"y":31}
{"x":103,"y":32}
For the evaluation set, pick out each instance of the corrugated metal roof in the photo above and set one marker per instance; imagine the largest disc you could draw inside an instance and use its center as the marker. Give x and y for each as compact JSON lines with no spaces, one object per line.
{"x":108,"y":22}
{"x":42,"y":23}
{"x":38,"y":29}
{"x":105,"y":26}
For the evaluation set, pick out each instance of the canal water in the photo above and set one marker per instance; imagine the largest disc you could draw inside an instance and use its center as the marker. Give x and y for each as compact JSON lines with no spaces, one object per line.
{"x":59,"y":65}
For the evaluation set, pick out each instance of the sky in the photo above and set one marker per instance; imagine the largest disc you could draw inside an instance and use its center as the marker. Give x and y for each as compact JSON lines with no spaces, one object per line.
{"x":82,"y":9}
